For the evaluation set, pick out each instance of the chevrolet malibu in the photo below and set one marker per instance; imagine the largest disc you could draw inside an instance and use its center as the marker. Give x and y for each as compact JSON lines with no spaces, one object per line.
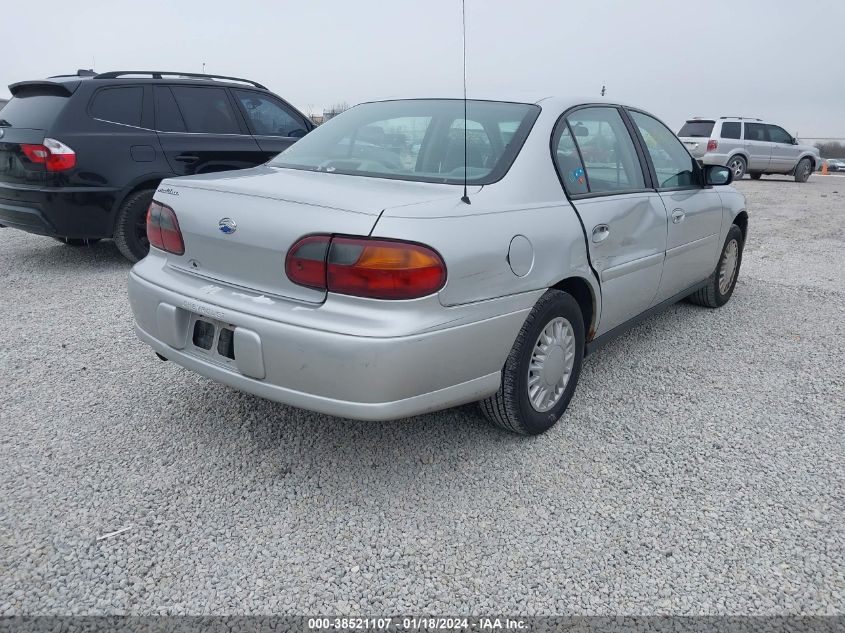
{"x":413,"y":255}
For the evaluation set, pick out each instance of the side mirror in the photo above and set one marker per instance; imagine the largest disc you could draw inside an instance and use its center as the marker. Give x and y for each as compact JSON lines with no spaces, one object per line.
{"x":716,"y":175}
{"x":794,"y":141}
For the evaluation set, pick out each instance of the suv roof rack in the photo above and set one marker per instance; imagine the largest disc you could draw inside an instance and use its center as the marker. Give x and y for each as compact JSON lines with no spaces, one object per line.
{"x":741,"y":118}
{"x":160,"y":74}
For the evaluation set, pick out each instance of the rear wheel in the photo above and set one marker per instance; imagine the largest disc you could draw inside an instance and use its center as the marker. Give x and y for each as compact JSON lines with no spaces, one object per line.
{"x":803,"y":170}
{"x":542,"y":369}
{"x":738,"y":166}
{"x":755,"y":176}
{"x":78,"y":241}
{"x":130,"y":233}
{"x":721,"y":283}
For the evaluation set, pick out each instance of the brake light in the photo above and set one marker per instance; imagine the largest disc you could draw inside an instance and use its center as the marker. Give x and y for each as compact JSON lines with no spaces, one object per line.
{"x":712,"y":144}
{"x":53,"y":154}
{"x":163,"y":229}
{"x":366,"y":267}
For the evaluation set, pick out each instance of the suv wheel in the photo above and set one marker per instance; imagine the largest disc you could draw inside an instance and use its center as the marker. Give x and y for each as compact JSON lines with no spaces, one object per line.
{"x":803,"y":170}
{"x":130,"y":233}
{"x":721,"y":283}
{"x":737,"y":165}
{"x":542,"y":369}
{"x":755,"y":176}
{"x":78,"y":241}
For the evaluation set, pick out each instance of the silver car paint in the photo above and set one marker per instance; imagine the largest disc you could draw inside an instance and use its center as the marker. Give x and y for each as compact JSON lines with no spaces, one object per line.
{"x":760,"y":156}
{"x":371,"y":359}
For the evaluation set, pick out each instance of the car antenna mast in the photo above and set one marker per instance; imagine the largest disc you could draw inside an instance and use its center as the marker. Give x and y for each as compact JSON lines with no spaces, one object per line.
{"x":465,"y":197}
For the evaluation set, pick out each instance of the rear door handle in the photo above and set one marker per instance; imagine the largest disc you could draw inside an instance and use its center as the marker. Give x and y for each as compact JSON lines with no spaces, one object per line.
{"x":187,"y":158}
{"x":678,"y":216}
{"x":600,"y":232}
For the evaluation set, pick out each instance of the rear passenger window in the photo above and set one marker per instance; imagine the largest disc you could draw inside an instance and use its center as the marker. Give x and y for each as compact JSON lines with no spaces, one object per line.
{"x":168,"y":117}
{"x":206,"y":110}
{"x":568,"y":163}
{"x":118,"y":105}
{"x":755,"y":132}
{"x":610,"y":160}
{"x":731,"y":129}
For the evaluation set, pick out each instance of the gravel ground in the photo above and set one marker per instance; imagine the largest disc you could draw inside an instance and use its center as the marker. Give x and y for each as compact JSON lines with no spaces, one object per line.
{"x":699,"y":469}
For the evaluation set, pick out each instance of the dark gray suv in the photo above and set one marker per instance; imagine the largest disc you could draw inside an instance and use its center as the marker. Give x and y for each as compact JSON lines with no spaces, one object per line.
{"x":81,"y":155}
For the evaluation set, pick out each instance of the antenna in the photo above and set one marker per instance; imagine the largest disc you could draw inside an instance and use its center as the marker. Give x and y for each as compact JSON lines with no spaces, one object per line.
{"x":465,"y":197}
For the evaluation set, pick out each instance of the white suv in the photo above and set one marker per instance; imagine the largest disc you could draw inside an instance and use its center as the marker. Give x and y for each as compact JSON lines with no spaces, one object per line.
{"x":749,"y":145}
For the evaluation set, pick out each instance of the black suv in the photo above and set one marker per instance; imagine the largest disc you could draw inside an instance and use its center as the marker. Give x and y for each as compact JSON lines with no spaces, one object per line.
{"x":81,"y":155}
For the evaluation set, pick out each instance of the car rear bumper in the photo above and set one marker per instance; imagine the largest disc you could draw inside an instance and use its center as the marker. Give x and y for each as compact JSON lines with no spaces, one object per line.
{"x":346,"y":374}
{"x":58,"y":211}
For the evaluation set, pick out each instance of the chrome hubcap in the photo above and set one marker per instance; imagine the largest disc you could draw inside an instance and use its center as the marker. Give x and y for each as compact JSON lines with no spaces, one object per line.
{"x":727,"y":271}
{"x":551,"y":364}
{"x":736,"y":166}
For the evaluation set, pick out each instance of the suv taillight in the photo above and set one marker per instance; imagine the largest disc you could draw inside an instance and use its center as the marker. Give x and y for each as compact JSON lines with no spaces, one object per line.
{"x":366,"y":267}
{"x":712,"y":144}
{"x":53,"y":154}
{"x":163,"y":229}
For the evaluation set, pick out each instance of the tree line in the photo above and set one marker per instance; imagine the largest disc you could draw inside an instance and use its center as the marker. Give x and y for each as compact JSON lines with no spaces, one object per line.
{"x":831,"y":149}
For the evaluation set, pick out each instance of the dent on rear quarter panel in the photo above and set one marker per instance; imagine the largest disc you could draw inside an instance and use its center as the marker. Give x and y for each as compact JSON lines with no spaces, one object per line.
{"x":474,"y":243}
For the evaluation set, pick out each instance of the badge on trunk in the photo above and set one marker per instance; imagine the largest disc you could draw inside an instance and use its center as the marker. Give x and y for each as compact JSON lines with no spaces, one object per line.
{"x":227,"y":226}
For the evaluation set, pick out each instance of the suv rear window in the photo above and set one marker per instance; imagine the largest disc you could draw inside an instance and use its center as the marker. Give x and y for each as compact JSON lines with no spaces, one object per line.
{"x":34,"y":108}
{"x":119,"y":105}
{"x":697,"y":129}
{"x":731,"y":129}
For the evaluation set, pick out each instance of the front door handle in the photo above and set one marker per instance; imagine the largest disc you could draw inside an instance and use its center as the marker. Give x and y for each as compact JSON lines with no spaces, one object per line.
{"x":600,"y":233}
{"x":678,"y":216}
{"x":187,"y":158}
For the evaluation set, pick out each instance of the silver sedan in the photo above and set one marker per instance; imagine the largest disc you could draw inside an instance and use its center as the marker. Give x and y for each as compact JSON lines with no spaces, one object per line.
{"x":414,"y":255}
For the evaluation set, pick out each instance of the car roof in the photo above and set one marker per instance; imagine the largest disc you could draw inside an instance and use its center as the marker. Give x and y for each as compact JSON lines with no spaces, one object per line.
{"x":72,"y":82}
{"x":553,"y":102}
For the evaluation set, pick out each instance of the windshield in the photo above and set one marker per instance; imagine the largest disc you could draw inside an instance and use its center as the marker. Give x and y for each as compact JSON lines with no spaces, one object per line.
{"x":419,"y":140}
{"x":700,"y":129}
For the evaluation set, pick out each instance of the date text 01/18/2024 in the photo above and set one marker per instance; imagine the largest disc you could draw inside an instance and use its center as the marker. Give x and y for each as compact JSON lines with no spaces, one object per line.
{"x":415,"y":623}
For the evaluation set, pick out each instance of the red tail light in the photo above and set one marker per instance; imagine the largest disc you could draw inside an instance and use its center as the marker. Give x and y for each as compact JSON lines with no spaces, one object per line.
{"x":712,"y":144}
{"x":163,"y":229}
{"x":366,"y":267}
{"x":53,"y":154}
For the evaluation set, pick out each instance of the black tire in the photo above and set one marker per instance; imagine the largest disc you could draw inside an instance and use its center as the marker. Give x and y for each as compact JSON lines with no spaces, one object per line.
{"x":737,"y":165}
{"x":130,"y":232}
{"x":803,"y":170}
{"x":755,"y":176}
{"x":714,"y":295}
{"x":77,"y":241}
{"x":510,"y":408}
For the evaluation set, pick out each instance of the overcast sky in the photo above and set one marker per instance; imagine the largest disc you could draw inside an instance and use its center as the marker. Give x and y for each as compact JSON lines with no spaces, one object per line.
{"x":783,"y":60}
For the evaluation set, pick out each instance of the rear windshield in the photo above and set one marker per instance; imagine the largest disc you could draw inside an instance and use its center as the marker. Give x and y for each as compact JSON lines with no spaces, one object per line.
{"x":33,"y":108}
{"x":420,"y":140}
{"x":701,"y":129}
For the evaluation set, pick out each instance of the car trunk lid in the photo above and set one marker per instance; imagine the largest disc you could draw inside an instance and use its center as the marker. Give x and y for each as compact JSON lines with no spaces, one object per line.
{"x":238,"y":226}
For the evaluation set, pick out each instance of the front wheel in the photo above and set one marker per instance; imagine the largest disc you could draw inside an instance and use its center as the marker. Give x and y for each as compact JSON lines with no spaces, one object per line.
{"x":721,"y":283}
{"x":803,"y":170}
{"x":738,"y":166}
{"x":542,"y":369}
